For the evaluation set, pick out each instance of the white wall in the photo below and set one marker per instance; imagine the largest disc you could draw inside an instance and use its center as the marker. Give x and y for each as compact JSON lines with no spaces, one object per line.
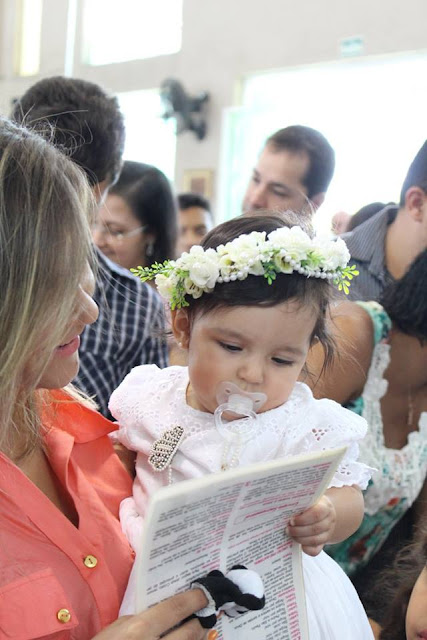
{"x":222,"y":41}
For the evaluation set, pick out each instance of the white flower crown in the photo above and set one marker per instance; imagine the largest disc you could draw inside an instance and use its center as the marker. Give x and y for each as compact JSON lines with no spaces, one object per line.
{"x":284,"y":250}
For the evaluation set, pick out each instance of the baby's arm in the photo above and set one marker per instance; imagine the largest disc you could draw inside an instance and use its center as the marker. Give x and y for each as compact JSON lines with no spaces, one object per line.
{"x":127,"y":457}
{"x":334,"y":517}
{"x":126,"y":406}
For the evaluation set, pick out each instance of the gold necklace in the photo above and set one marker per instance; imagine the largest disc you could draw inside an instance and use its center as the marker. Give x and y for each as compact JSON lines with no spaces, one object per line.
{"x":410,"y":416}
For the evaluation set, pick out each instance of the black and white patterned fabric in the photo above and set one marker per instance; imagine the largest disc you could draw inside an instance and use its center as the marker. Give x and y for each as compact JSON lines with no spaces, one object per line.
{"x":130,"y":331}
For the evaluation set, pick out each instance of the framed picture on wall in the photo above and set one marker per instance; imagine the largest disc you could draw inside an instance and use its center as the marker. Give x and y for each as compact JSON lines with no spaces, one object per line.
{"x":198,"y":181}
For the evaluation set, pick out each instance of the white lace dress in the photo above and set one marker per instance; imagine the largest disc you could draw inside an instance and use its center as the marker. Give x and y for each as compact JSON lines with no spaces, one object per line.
{"x":151,"y":400}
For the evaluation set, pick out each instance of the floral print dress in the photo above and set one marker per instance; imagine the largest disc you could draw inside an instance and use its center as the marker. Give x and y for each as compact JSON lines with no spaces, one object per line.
{"x":400,"y":473}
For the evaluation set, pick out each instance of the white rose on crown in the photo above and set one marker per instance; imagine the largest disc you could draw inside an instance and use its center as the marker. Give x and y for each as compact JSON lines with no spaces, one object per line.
{"x":284,"y":250}
{"x":221,"y":250}
{"x":200,"y":266}
{"x":192,"y":289}
{"x":256,"y":268}
{"x":242,"y":252}
{"x":334,"y":255}
{"x":165,"y":285}
{"x":203,"y":269}
{"x":282,"y":265}
{"x":204,"y":274}
{"x":226,"y":265}
{"x":243,"y":243}
{"x":188,"y":258}
{"x":343,"y":251}
{"x":294,"y":241}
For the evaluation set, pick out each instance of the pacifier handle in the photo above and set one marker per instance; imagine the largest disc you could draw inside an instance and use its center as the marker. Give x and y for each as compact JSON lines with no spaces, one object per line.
{"x":243,"y":404}
{"x":235,"y":429}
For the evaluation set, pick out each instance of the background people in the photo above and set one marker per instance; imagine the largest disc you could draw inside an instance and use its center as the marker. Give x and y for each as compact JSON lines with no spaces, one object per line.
{"x":384,"y":246}
{"x":343,"y":222}
{"x":86,"y":124}
{"x":293,"y":171}
{"x":340,"y":222}
{"x":137,"y":223}
{"x":381,"y":374}
{"x":364,"y":213}
{"x":64,"y":560}
{"x":195,"y":220}
{"x":404,"y":590}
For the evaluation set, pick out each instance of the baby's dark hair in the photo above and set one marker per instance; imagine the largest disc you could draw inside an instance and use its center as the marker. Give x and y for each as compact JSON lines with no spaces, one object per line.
{"x":255,"y":290}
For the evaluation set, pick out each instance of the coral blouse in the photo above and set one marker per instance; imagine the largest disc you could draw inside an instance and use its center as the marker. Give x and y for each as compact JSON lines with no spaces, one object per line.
{"x":57,"y":580}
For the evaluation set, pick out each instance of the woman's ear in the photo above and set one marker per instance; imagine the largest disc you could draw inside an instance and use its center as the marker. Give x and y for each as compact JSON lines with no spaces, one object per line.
{"x":415,"y":200}
{"x":181,"y":327}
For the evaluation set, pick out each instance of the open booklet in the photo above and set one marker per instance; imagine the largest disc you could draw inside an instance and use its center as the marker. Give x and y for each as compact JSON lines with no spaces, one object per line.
{"x":236,"y":517}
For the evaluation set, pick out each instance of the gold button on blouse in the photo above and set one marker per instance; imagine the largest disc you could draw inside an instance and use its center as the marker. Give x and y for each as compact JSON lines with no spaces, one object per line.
{"x":90,"y":562}
{"x":63,"y":616}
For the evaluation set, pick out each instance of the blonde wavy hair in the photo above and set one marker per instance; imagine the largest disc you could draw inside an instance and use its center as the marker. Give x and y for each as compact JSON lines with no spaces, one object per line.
{"x":45,"y":243}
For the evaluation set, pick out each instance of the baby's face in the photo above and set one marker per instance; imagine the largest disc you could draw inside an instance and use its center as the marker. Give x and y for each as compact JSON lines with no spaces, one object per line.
{"x":260,"y":349}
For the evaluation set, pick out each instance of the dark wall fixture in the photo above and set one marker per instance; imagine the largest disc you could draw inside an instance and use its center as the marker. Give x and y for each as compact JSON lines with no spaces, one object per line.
{"x":188,"y":110}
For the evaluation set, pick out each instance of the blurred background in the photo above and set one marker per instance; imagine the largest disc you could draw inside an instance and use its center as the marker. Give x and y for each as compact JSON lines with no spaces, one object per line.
{"x":354,"y":69}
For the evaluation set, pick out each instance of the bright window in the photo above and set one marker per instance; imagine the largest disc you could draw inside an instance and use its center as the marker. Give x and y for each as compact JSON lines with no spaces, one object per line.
{"x":130,"y":29}
{"x":149,"y":138}
{"x":372,"y":112}
{"x":28,"y":37}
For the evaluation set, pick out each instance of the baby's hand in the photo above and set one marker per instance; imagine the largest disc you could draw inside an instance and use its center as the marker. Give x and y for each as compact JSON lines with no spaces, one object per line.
{"x":314,"y":527}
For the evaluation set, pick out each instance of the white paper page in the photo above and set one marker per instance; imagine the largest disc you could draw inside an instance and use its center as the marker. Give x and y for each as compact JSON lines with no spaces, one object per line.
{"x":236,"y":517}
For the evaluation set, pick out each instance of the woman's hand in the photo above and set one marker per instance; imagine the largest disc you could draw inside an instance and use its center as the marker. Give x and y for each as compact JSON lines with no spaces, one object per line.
{"x":160,"y":620}
{"x":314,"y":527}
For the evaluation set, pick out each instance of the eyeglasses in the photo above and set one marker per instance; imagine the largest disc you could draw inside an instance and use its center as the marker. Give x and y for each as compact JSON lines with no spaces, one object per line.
{"x":116,"y":236}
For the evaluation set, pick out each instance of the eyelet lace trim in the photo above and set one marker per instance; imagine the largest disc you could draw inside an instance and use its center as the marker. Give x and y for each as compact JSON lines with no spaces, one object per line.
{"x":400,"y":472}
{"x":151,"y":400}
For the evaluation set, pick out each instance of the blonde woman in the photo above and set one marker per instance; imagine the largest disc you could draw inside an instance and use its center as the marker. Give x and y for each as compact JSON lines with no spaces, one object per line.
{"x":64,"y":561}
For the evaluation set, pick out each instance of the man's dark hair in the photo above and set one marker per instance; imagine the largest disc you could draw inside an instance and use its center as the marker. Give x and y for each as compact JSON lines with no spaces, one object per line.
{"x":86,"y":123}
{"x":364,"y":214}
{"x":300,"y":139}
{"x":188,"y":200}
{"x":417,"y":174}
{"x":405,"y":300}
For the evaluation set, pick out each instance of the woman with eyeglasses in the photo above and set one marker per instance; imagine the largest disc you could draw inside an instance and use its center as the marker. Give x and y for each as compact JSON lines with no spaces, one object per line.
{"x":138,"y":223}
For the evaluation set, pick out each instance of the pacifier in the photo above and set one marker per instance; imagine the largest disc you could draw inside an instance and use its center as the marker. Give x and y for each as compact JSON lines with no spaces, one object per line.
{"x":241,"y":403}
